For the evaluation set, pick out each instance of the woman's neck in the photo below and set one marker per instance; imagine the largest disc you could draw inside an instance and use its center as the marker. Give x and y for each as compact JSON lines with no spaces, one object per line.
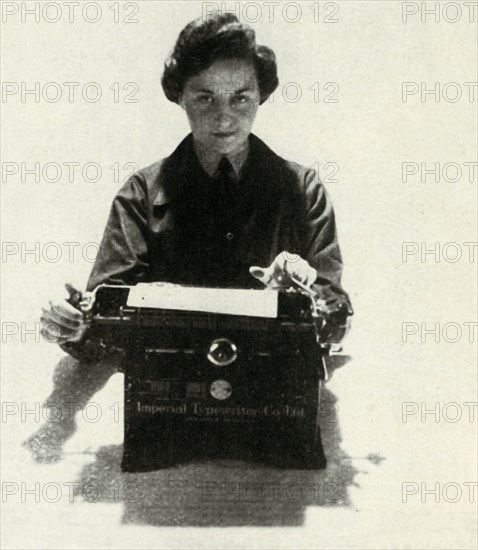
{"x":210,"y":159}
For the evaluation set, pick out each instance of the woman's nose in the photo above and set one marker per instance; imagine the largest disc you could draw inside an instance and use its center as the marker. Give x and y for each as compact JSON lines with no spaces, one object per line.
{"x":225,"y":113}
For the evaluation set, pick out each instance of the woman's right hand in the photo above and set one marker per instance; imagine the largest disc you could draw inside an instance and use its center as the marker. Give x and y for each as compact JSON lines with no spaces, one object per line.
{"x":61,"y":322}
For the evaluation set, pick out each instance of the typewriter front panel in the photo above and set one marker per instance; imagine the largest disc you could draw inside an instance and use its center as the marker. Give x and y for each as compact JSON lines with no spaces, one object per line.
{"x":222,"y":390}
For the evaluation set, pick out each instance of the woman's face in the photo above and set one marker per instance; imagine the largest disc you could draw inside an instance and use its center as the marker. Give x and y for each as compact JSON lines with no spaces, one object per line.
{"x":221,"y":103}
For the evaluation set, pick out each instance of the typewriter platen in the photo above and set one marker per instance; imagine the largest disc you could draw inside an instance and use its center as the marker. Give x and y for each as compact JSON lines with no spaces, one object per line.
{"x":215,"y":372}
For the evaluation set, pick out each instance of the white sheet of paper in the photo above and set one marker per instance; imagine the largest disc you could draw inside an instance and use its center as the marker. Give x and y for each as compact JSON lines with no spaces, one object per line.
{"x":231,"y":301}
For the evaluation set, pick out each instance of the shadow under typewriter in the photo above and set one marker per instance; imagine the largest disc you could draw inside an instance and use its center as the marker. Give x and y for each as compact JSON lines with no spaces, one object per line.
{"x":211,"y":491}
{"x":226,"y":492}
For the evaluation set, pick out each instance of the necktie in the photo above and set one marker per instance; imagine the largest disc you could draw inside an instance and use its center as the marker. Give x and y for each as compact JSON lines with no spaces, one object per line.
{"x":226,"y":191}
{"x":226,"y":183}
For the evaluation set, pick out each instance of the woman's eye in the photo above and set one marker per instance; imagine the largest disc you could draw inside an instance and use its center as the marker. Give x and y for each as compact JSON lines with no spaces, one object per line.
{"x":204,"y":99}
{"x":241,"y":99}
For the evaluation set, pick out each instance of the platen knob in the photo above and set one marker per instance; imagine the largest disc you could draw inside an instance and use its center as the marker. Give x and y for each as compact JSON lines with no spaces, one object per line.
{"x":222,"y":352}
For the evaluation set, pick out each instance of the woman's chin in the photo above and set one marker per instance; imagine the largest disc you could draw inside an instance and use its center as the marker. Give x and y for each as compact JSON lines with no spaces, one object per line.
{"x":226,"y":146}
{"x":221,"y":145}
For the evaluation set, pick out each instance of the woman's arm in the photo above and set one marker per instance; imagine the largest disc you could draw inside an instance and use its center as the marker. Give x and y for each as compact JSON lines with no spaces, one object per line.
{"x":122,"y":257}
{"x":123,"y":254}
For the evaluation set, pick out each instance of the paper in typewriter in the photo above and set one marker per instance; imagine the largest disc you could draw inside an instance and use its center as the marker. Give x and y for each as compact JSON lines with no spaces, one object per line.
{"x":230,"y":301}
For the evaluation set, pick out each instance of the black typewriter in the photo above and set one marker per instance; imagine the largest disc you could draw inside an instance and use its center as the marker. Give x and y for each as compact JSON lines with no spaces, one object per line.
{"x":215,"y":372}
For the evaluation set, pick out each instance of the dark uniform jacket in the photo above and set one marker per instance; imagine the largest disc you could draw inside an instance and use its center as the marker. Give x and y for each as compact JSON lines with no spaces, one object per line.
{"x":170,"y":222}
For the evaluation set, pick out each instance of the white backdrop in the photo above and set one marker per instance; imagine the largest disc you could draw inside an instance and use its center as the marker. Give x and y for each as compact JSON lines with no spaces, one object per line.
{"x":365,"y":57}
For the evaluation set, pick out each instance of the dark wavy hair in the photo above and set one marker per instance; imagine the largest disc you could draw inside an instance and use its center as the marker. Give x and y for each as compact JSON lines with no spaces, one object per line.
{"x":221,"y":36}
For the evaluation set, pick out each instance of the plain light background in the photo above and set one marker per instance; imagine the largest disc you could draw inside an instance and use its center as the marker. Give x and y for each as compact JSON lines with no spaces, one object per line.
{"x":368,"y":133}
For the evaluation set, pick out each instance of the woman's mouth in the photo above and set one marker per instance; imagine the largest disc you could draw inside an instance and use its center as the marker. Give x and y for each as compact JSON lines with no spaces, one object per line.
{"x":224,"y":135}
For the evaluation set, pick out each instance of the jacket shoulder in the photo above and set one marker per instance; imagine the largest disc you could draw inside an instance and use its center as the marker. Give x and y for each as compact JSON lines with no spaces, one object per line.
{"x":146,"y":184}
{"x":299,"y":175}
{"x":157,"y":181}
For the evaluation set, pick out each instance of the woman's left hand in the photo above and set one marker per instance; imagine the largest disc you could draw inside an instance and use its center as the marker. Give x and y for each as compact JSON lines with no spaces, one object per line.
{"x":285,"y":266}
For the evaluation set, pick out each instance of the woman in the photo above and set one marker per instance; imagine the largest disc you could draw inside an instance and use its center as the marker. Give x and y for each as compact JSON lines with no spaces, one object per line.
{"x":218,"y":207}
{"x":208,"y":215}
{"x":223,"y":203}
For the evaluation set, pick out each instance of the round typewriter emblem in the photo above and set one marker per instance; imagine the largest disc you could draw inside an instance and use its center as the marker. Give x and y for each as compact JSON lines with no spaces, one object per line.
{"x":220,"y":389}
{"x":222,"y":352}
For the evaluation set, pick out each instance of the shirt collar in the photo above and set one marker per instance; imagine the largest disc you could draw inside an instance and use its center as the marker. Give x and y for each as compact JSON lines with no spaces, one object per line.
{"x":183,"y":166}
{"x":210,"y":161}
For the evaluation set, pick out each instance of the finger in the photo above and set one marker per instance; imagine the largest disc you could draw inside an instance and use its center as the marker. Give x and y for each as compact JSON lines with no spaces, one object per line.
{"x":290,"y":258}
{"x":74,"y":295}
{"x":52,"y":333}
{"x":279,"y":263}
{"x":71,"y":288}
{"x":308,"y":274}
{"x":304,"y":272}
{"x":53,"y":317}
{"x":295,"y":270}
{"x":279,"y":273}
{"x":66,"y":310}
{"x":294,"y":265}
{"x":55,"y":334}
{"x":312,"y":276}
{"x":62,"y":319}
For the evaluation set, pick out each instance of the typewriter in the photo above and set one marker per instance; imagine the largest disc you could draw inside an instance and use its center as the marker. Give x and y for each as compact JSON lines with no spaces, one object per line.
{"x":215,"y":372}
